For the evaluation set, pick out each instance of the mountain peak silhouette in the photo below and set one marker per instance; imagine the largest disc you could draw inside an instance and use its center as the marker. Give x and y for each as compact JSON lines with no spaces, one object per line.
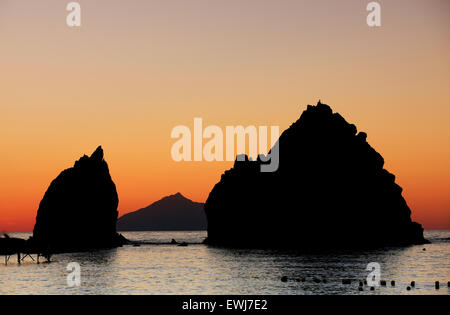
{"x":97,"y":154}
{"x":171,"y":213}
{"x":178,"y":195}
{"x":330,"y":190}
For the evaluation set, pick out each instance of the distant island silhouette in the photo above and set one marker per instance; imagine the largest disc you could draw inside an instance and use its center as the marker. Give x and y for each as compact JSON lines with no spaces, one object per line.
{"x":330,"y":191}
{"x":79,"y":209}
{"x":171,"y":213}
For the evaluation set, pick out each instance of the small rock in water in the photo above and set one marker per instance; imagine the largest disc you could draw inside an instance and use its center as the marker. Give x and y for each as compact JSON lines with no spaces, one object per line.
{"x":360,"y":283}
{"x":284,"y":279}
{"x":316,"y":280}
{"x":346,"y":281}
{"x":424,"y":249}
{"x":408,"y":288}
{"x":393,"y":283}
{"x":436,"y":285}
{"x":173,"y":241}
{"x":413,"y":284}
{"x":372,"y":288}
{"x":383,"y":283}
{"x":365,"y":282}
{"x":360,"y":289}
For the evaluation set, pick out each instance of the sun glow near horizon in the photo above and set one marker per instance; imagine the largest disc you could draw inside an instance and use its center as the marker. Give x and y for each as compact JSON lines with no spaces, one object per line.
{"x":135,"y":70}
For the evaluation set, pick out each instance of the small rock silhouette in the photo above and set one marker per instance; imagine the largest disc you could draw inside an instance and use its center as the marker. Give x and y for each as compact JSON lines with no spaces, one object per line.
{"x":346,"y":281}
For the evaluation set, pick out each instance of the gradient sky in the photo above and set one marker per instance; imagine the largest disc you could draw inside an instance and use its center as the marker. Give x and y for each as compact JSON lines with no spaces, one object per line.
{"x":135,"y":69}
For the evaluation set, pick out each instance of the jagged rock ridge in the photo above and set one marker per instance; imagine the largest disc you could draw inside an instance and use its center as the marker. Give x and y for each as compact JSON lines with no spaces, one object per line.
{"x":79,"y":209}
{"x":171,"y":213}
{"x":329,"y":191}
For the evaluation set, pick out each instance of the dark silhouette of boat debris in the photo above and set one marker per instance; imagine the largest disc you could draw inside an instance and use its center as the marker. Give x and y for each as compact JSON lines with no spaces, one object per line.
{"x":10,"y":246}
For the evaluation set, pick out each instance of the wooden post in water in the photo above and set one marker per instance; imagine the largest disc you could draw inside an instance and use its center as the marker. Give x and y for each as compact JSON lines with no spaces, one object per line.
{"x":18,"y":258}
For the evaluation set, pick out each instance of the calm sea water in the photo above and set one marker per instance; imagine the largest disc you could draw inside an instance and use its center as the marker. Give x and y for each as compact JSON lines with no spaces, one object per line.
{"x":199,"y":269}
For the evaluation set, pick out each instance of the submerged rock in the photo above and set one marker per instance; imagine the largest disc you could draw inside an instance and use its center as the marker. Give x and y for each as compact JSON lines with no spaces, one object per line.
{"x":330,"y":184}
{"x":346,"y":281}
{"x":79,"y":209}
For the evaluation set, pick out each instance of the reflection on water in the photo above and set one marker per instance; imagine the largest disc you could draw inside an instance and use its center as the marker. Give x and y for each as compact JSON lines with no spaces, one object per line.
{"x":199,"y":269}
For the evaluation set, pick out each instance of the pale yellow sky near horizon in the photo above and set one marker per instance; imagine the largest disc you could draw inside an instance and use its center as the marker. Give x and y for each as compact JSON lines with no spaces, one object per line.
{"x":136,"y":69}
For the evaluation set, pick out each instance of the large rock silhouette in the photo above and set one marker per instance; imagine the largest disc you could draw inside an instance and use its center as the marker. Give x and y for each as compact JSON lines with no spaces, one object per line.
{"x":330,"y":191}
{"x":79,"y":209}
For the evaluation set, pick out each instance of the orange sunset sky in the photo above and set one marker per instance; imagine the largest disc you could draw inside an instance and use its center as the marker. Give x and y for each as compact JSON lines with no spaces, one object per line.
{"x":135,"y":69}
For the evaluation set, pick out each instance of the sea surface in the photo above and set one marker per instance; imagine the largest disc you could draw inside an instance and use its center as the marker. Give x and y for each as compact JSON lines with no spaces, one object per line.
{"x":160,"y":268}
